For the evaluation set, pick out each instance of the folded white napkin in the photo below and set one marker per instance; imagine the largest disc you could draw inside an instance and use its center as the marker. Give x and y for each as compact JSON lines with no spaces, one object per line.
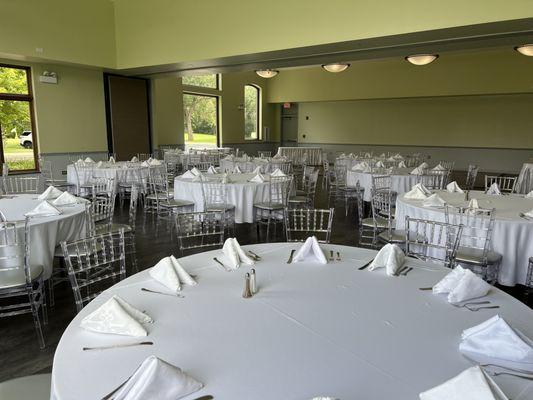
{"x":424,"y":165}
{"x":391,"y":158}
{"x":116,"y":316}
{"x":530,"y":195}
{"x":66,"y":199}
{"x":195,"y":171}
{"x":257,"y":170}
{"x":453,"y":187}
{"x":391,"y":257}
{"x":418,"y":192}
{"x":471,"y":384}
{"x":401,"y":164}
{"x":417,"y":171}
{"x":277,"y":157}
{"x":361,"y":166}
{"x":310,"y":249}
{"x":188,"y":175}
{"x":380,"y":164}
{"x":50,"y":193}
{"x":259,"y":178}
{"x":529,"y":214}
{"x":496,"y":342}
{"x":351,"y":155}
{"x":156,"y":379}
{"x":154,"y":161}
{"x":99,"y":164}
{"x":237,"y":170}
{"x":88,"y":160}
{"x":44,"y":209}
{"x":277,"y":172}
{"x":473,"y":203}
{"x":112,"y":160}
{"x":494,"y":189}
{"x":439,"y":167}
{"x":145,"y":164}
{"x":235,"y":254}
{"x":368,"y":155}
{"x":211,"y":170}
{"x":134,"y":159}
{"x":170,"y":273}
{"x":462,"y":285}
{"x":383,"y":155}
{"x":434,"y":201}
{"x":398,"y":157}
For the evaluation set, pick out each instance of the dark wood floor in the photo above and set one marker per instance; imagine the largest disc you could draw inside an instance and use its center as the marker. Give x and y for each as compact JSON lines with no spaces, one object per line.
{"x":19,"y":351}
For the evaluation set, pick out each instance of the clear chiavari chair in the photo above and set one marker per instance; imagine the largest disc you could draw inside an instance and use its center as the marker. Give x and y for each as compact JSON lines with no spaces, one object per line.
{"x":339,"y":189}
{"x":264,"y":154}
{"x":529,"y":277}
{"x":471,"y":177}
{"x":21,"y":285}
{"x":326,"y":179}
{"x":434,"y":180}
{"x":94,"y":264}
{"x":17,"y":185}
{"x":202,"y":166}
{"x":144,"y":156}
{"x":213,"y":159}
{"x":432,"y":241}
{"x":306,"y":197}
{"x":449,"y":165}
{"x":283,"y":166}
{"x":381,"y":182}
{"x":474,"y":250}
{"x":102,"y":187}
{"x":273,"y":210}
{"x":215,"y":195}
{"x":84,"y":173}
{"x":302,"y":223}
{"x":103,"y":209}
{"x":199,"y":230}
{"x":47,"y":175}
{"x":381,"y":223}
{"x":506,"y":184}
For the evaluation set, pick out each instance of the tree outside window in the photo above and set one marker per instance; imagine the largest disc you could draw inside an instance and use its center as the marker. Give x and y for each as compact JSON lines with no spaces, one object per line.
{"x":252,"y":115}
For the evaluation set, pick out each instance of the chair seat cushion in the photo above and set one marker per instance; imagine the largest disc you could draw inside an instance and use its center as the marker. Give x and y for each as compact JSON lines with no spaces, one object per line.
{"x":113,"y":228}
{"x":10,"y":279}
{"x":175,"y":203}
{"x":153,"y":196}
{"x":381,"y":223}
{"x":269,"y":206}
{"x":470,"y":255}
{"x":298,"y":199}
{"x":394,"y":236}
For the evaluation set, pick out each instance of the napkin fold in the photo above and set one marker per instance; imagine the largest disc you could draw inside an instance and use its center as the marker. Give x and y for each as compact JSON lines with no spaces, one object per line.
{"x":237,"y":170}
{"x":188,"y":175}
{"x":494,"y":189}
{"x":195,"y":171}
{"x":461,"y":285}
{"x":145,"y":164}
{"x":118,"y":317}
{"x":471,"y":384}
{"x":401,"y":164}
{"x":43,"y":209}
{"x":235,"y":254}
{"x":391,"y":256}
{"x":310,"y":249}
{"x":112,"y":160}
{"x":434,"y":201}
{"x":453,"y":187}
{"x":99,"y":164}
{"x":360,"y":166}
{"x":439,"y":167}
{"x":277,"y":172}
{"x":380,"y":164}
{"x":529,"y":195}
{"x":257,"y":170}
{"x":529,"y":214}
{"x":259,"y":178}
{"x":50,"y":193}
{"x":134,"y":159}
{"x":496,"y":342}
{"x":398,"y":156}
{"x":211,"y":170}
{"x":88,"y":160}
{"x":154,"y":161}
{"x":424,"y":165}
{"x":418,"y":192}
{"x":66,"y":199}
{"x":156,"y":379}
{"x":473,"y":203}
{"x":417,"y":171}
{"x":169,"y":272}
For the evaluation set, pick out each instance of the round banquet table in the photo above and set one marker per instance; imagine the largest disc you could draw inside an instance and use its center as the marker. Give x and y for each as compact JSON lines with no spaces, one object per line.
{"x":512,"y":235}
{"x":121,"y":171}
{"x":241,"y":193}
{"x":45,"y":232}
{"x":245,"y":165}
{"x":401,"y":179}
{"x":311,"y":330}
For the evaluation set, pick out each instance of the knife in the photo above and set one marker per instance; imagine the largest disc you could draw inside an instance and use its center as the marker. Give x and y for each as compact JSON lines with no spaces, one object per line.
{"x":366,"y":265}
{"x":290,"y":257}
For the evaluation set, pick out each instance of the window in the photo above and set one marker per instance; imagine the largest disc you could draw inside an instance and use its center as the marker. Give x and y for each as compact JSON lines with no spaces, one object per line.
{"x":200,"y":117}
{"x":252,"y":114}
{"x":19,"y":146}
{"x":205,"y":81}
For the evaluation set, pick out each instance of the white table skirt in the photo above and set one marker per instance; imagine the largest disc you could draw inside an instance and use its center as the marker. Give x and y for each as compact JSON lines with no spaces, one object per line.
{"x":245,"y":166}
{"x":296,"y":154}
{"x":401,"y":180}
{"x":512,"y":236}
{"x":311,"y":330}
{"x":118,"y":171}
{"x":524,"y":184}
{"x":241,"y":193}
{"x":45,"y":232}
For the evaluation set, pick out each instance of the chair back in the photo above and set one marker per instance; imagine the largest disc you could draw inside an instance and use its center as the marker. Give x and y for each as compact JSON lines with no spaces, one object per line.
{"x":202,"y":166}
{"x":283,"y":166}
{"x":506,"y":184}
{"x":302,"y":223}
{"x":382,"y":203}
{"x":432,"y":240}
{"x":449,"y":165}
{"x":471,"y":176}
{"x":199,"y":230}
{"x":264,"y":154}
{"x":102,"y":186}
{"x":144,"y":156}
{"x":132,"y":214}
{"x":381,"y":182}
{"x":434,"y":180}
{"x":14,"y":246}
{"x":18,"y":184}
{"x":279,"y":189}
{"x":94,"y":264}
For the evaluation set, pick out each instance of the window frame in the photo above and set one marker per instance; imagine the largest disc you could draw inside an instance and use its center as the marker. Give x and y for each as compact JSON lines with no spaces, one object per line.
{"x":259,"y":119}
{"x":216,"y":88}
{"x":28,"y":97}
{"x":217,"y":99}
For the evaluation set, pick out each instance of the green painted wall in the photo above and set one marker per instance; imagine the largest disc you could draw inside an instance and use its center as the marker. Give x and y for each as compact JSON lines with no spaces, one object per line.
{"x":167,"y":111}
{"x":495,"y":121}
{"x":166,"y":31}
{"x":74,"y":31}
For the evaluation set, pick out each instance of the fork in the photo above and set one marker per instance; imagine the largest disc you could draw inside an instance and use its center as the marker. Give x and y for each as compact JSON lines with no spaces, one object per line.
{"x":338,"y":256}
{"x":404,"y":273}
{"x":223,"y":266}
{"x":167,"y":294}
{"x":331,"y":257}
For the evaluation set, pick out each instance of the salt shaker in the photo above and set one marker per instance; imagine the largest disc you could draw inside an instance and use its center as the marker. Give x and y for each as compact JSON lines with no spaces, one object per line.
{"x":247,"y":293}
{"x":253,"y":283}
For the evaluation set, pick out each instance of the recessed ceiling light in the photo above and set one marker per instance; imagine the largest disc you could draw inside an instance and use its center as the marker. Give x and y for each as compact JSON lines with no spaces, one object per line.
{"x":267,"y":73}
{"x":525,"y":49}
{"x":335,"y":67}
{"x":422,"y":59}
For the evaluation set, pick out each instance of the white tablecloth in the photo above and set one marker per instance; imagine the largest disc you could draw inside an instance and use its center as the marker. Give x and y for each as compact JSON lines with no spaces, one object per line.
{"x":245,"y":166}
{"x":295,"y":154}
{"x":241,"y":193}
{"x":401,"y":180}
{"x":45,"y":232}
{"x":311,"y":330}
{"x":524,"y":184}
{"x":512,"y":236}
{"x":119,"y":171}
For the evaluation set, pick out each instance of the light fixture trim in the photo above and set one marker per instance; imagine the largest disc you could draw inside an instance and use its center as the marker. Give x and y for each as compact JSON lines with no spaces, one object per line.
{"x":267,"y":73}
{"x":421,"y":59}
{"x":525,"y":49}
{"x":336,"y":67}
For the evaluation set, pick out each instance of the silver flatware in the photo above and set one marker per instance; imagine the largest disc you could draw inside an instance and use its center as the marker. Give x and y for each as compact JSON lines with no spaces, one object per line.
{"x":290,"y":257}
{"x":166,"y":294}
{"x":257,"y":258}
{"x":524,"y":216}
{"x":208,"y":397}
{"x":475,"y":305}
{"x":495,"y":370}
{"x":366,"y":265}
{"x":409,"y":269}
{"x":426,"y":288}
{"x":470,"y":303}
{"x":331,"y":258}
{"x":481,"y":308}
{"x":400,"y":271}
{"x":118,"y":346}
{"x":338,"y":256}
{"x":223,"y":266}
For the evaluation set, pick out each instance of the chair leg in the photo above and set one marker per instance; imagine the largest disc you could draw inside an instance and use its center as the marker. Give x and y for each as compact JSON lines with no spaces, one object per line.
{"x":36,"y":320}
